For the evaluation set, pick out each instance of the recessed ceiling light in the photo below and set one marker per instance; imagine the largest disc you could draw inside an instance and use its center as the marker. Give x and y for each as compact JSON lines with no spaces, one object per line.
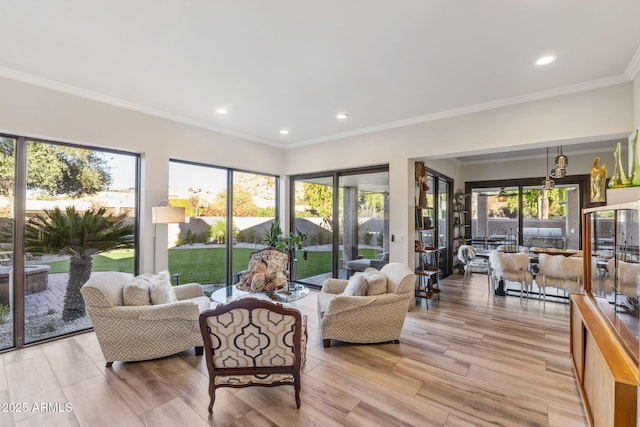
{"x":545,"y":60}
{"x":342,"y":116}
{"x":284,"y":132}
{"x":221,"y":111}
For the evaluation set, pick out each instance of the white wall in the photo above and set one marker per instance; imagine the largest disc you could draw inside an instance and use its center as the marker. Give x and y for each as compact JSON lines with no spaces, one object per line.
{"x":579,"y":164}
{"x":33,"y":111}
{"x":600,"y":114}
{"x":636,"y":100}
{"x":594,"y":115}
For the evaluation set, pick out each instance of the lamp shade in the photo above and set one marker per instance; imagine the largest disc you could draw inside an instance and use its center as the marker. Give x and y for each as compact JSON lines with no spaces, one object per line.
{"x":167,"y":215}
{"x":503,"y":196}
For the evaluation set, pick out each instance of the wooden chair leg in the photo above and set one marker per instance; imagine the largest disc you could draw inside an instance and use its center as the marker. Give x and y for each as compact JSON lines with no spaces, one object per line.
{"x":326,"y":343}
{"x":199,"y":350}
{"x":296,"y":385}
{"x":109,"y":364}
{"x":212,"y":394}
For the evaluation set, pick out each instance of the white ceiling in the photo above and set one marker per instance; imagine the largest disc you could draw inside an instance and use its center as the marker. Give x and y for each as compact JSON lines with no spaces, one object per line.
{"x":295,"y":64}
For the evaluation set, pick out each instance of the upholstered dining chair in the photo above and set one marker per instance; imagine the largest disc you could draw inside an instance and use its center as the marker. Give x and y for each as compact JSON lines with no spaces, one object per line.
{"x":560,"y":272}
{"x":466,"y":254}
{"x":513,"y":267}
{"x":253,"y":342}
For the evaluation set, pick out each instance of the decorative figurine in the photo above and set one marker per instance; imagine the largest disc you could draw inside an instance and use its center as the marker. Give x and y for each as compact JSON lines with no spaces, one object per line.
{"x":598,"y":179}
{"x":634,"y":174}
{"x":618,"y":179}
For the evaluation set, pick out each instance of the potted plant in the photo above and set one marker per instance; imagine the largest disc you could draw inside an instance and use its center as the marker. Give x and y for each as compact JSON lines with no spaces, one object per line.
{"x":290,"y":243}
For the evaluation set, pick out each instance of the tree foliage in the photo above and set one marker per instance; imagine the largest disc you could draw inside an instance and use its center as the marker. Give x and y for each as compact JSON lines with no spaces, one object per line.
{"x":243,"y":204}
{"x":55,"y":169}
{"x":81,"y":235}
{"x":319,"y":199}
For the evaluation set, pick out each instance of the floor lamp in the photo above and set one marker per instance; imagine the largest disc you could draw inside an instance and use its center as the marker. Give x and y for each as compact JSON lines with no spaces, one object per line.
{"x":164,"y":215}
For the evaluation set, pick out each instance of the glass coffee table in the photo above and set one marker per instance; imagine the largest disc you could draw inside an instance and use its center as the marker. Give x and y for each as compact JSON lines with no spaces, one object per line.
{"x":292,"y":292}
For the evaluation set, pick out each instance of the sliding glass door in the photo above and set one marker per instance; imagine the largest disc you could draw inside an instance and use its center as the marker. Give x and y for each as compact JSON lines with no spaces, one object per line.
{"x":526,"y":215}
{"x":345,"y":217}
{"x":66,"y":212}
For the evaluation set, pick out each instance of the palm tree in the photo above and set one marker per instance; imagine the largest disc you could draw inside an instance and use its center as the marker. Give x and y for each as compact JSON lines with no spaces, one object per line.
{"x":80,"y":235}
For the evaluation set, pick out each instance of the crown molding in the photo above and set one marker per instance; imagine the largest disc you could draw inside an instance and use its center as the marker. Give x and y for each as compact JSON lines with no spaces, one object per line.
{"x":492,"y":105}
{"x":117,"y":102}
{"x":631,"y":70}
{"x":634,"y":66}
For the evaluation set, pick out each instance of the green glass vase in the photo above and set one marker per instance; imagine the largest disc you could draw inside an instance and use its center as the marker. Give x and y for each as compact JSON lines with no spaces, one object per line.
{"x":634,"y":175}
{"x":618,"y":179}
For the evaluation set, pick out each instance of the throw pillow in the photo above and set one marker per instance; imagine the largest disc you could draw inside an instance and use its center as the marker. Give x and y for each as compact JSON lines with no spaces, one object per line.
{"x":161,"y":291}
{"x":376,"y":281}
{"x":136,"y":290}
{"x":357,"y":286}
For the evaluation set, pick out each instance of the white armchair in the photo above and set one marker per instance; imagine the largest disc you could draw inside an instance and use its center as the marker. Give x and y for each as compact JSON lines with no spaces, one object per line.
{"x":142,"y":330}
{"x":368,"y":318}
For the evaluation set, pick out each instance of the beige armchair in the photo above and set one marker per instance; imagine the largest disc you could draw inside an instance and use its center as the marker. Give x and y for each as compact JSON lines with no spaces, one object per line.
{"x":253,"y":342}
{"x":368,"y":318}
{"x":142,"y":331}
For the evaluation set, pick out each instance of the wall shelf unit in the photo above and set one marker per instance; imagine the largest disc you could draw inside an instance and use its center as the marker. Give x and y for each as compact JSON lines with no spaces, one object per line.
{"x":426,"y":251}
{"x":461,"y":228}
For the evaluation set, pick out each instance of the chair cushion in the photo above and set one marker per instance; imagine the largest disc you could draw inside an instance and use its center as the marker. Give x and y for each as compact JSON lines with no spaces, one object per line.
{"x":158,"y":290}
{"x":136,"y":292}
{"x":161,"y":291}
{"x":376,"y":281}
{"x":357,"y":285}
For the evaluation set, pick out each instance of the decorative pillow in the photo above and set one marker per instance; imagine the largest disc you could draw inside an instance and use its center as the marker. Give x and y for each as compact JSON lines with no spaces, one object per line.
{"x":136,"y":290}
{"x":376,"y":281}
{"x":357,"y":285}
{"x":161,"y":291}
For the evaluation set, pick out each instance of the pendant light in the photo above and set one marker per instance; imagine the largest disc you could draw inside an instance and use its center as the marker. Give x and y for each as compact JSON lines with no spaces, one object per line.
{"x":548,"y":183}
{"x":502,"y":195}
{"x":559,"y":171}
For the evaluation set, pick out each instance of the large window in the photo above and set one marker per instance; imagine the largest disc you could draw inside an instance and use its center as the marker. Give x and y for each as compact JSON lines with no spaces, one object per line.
{"x":78,"y":208}
{"x":229,"y":212}
{"x":526,"y":215}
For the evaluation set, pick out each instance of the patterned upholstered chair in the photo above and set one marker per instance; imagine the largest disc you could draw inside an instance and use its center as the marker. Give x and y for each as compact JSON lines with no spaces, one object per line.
{"x":253,"y":342}
{"x":268,"y":271}
{"x":369,"y":318}
{"x":142,"y":330}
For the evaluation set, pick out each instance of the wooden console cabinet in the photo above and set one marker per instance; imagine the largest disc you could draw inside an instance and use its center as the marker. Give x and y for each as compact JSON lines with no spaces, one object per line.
{"x":606,"y":374}
{"x":604,"y":320}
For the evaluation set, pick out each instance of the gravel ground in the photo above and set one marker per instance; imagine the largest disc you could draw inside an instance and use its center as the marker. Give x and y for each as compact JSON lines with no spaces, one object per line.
{"x":42,"y":327}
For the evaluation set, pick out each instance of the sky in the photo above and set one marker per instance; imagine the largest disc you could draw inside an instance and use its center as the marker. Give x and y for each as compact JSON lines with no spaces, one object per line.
{"x":181,"y":175}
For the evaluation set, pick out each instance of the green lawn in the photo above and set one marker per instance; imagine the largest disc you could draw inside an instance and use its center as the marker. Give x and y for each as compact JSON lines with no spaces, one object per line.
{"x":205,"y":265}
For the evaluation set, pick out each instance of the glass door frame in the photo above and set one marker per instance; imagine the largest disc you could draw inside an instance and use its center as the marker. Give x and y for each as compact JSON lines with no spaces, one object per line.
{"x":437,"y":177}
{"x":582,"y":180}
{"x":335,"y":179}
{"x":19,"y":222}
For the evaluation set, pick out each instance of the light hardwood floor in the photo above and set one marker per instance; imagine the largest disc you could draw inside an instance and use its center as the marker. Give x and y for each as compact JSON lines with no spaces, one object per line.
{"x":469,"y":359}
